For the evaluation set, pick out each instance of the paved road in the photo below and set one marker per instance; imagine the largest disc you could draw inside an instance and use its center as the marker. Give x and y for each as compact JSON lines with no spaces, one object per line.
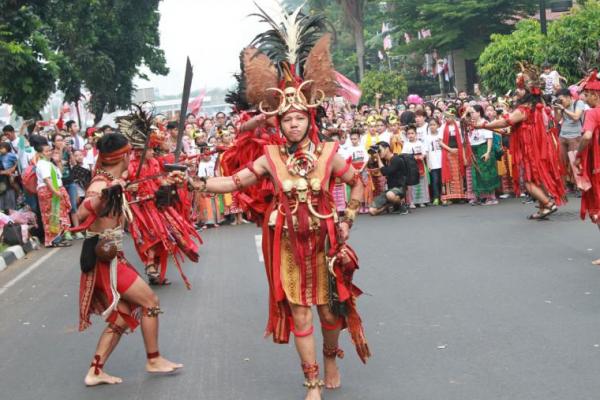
{"x":465,"y":303}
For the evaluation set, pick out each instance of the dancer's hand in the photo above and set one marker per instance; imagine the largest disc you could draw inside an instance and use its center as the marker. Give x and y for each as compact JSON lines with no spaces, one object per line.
{"x":343,"y":232}
{"x":485,"y":157}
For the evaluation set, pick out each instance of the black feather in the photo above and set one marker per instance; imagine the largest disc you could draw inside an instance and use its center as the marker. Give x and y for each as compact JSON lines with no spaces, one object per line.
{"x":273,"y":44}
{"x":237,"y":96}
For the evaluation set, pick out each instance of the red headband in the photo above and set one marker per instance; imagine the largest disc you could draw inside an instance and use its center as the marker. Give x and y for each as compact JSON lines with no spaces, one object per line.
{"x":115,"y":155}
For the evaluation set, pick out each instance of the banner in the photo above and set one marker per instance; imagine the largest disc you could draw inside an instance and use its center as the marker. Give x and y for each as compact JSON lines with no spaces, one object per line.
{"x":348,"y":89}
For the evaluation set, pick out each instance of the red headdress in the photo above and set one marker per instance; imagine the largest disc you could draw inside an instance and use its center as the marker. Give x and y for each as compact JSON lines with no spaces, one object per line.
{"x":529,"y":78}
{"x":289,"y":68}
{"x":591,"y":82}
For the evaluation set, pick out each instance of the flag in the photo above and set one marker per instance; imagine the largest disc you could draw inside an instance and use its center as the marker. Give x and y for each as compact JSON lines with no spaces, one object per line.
{"x":425,"y":33}
{"x":348,"y":89}
{"x":196,"y":105}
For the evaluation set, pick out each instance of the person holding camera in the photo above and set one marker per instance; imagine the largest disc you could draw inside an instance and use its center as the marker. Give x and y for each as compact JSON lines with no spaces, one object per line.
{"x":570,"y":113}
{"x":392,"y":167}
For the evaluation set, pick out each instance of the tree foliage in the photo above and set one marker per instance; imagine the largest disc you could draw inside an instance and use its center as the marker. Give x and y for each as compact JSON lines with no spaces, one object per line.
{"x":498,"y":63}
{"x":28,"y":68}
{"x":97,"y":44}
{"x":391,"y":85}
{"x":456,"y":24}
{"x":572,"y":46}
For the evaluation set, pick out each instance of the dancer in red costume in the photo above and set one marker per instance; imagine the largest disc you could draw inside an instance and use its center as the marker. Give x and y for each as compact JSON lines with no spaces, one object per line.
{"x":158,"y":229}
{"x":534,"y":149}
{"x":587,"y":160}
{"x":306,"y":258}
{"x":110,"y":286}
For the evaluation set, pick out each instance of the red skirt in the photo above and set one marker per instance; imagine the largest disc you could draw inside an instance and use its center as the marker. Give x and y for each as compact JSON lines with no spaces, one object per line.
{"x":95,"y":294}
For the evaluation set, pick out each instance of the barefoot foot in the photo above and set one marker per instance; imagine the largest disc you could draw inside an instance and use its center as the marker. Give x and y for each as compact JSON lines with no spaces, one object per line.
{"x":313,"y":394}
{"x":333,"y":379}
{"x":161,"y":364}
{"x":91,"y":379}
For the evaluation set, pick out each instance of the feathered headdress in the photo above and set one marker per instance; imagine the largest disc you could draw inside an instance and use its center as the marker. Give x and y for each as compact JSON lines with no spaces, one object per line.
{"x":288,"y":66}
{"x":591,"y":82}
{"x":139,"y":127}
{"x":529,"y":78}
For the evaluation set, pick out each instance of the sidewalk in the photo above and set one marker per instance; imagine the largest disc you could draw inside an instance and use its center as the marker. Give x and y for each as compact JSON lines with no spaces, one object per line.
{"x":14,"y":253}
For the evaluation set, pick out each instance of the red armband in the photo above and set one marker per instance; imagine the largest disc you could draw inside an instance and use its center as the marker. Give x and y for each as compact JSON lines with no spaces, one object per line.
{"x":87,"y":204}
{"x":507,"y":119}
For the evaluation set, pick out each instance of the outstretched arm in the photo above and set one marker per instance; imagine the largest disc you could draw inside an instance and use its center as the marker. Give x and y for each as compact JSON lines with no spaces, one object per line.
{"x":514,"y":118}
{"x":238,"y":181}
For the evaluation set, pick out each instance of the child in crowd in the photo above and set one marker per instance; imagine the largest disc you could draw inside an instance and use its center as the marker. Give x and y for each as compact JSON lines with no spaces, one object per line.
{"x":434,"y":160}
{"x":81,"y":175}
{"x":418,"y":195}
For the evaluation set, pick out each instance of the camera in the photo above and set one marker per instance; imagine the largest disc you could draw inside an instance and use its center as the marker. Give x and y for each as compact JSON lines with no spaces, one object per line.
{"x":373,"y":149}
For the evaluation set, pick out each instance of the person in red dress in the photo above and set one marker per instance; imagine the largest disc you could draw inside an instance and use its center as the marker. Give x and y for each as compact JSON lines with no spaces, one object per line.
{"x":110,"y":285}
{"x":534,"y":149}
{"x":587,"y":160}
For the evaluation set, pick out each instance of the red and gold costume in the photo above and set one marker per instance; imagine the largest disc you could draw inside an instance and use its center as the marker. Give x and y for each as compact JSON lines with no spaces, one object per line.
{"x":101,"y":287}
{"x":535,"y":152}
{"x":590,"y":156}
{"x":163,"y":230}
{"x":533,"y":144}
{"x":160,"y":225}
{"x":305,"y":263}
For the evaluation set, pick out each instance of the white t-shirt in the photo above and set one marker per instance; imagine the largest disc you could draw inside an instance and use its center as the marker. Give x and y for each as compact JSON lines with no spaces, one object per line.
{"x":434,"y":151}
{"x":89,"y":160}
{"x":206,"y":168}
{"x":422,"y":131}
{"x":43,"y":170}
{"x":358,"y":153}
{"x":415,"y":147}
{"x":480,"y":136}
{"x":344,"y":150}
{"x":549,"y":81}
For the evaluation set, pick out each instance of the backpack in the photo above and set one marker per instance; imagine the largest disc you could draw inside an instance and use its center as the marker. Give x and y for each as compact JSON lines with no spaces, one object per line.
{"x":412,"y":169}
{"x":29,"y":179}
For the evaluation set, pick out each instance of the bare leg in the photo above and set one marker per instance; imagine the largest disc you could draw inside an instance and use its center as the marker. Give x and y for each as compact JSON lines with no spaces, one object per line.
{"x":597,"y":261}
{"x":537,"y":193}
{"x":106,"y":344}
{"x":140,"y":293}
{"x":330,"y":326}
{"x":305,"y":345}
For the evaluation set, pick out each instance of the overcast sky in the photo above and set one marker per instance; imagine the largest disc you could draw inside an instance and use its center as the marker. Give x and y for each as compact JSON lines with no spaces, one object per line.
{"x":212,"y":33}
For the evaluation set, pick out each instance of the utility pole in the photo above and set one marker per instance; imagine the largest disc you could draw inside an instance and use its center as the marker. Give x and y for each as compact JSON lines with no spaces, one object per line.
{"x":543,"y":22}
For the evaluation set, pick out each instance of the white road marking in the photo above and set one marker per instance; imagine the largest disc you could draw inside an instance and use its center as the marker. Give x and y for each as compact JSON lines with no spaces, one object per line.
{"x":258,"y":241}
{"x":29,"y":270}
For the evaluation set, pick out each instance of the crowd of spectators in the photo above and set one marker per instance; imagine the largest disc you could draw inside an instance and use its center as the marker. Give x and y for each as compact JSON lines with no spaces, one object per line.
{"x":411,"y":153}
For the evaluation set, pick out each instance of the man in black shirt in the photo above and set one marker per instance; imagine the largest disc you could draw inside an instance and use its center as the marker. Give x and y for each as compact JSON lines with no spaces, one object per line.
{"x":393,"y":168}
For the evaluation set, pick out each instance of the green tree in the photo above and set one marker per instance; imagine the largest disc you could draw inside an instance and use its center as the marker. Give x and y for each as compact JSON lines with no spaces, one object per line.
{"x":28,"y":69}
{"x":104,"y":44}
{"x":391,"y":85}
{"x":498,"y":62}
{"x":464,"y":24}
{"x":572,"y":46}
{"x":574,"y":41}
{"x":97,"y":44}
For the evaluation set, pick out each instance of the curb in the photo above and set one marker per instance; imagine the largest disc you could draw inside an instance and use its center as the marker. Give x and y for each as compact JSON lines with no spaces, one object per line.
{"x":15,"y":253}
